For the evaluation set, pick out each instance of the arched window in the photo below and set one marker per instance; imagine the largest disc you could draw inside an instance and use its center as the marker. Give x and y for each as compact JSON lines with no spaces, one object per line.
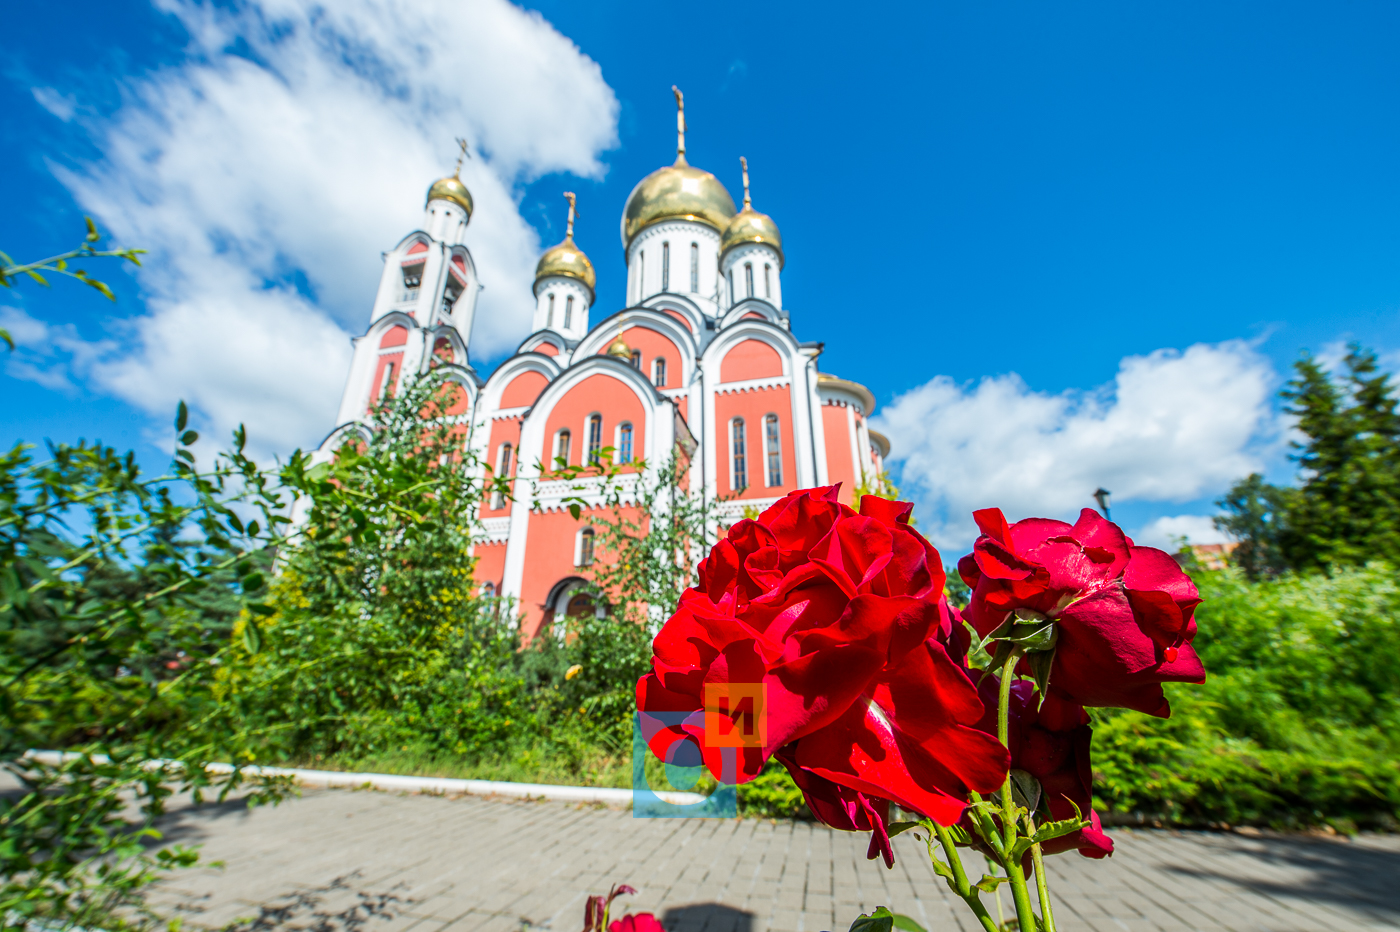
{"x":561,"y":448}
{"x":498,"y":498}
{"x":694,"y":268}
{"x":738,"y":453}
{"x":771,"y":440}
{"x":658,"y":372}
{"x":549,"y":319}
{"x":637,"y":360}
{"x":386,"y":385}
{"x":641,"y":274}
{"x":624,"y":443}
{"x":748,"y":279}
{"x":568,"y":312}
{"x":595,"y":437}
{"x":767,"y":280}
{"x":585,"y":556}
{"x":731,"y":286}
{"x":665,"y":266}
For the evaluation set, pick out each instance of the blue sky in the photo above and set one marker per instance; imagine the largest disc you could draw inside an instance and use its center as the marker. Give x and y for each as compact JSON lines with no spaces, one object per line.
{"x":1064,"y":246}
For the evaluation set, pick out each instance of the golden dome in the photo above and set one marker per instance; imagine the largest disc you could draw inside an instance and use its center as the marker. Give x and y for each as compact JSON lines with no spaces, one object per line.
{"x":750,"y":226}
{"x":568,"y":260}
{"x":452,"y":189}
{"x":620,"y":349}
{"x":676,"y":192}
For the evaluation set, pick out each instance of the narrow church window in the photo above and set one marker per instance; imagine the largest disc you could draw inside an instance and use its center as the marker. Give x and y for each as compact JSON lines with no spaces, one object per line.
{"x":695,"y":268}
{"x":568,"y":312}
{"x":731,"y":286}
{"x":767,"y":280}
{"x":641,"y":274}
{"x":658,"y":372}
{"x":637,"y":360}
{"x":775,"y":453}
{"x":561,"y":448}
{"x":388,"y":381}
{"x":624,"y":444}
{"x":665,"y":266}
{"x":498,"y":498}
{"x":748,"y":278}
{"x":585,"y":553}
{"x":736,"y":446}
{"x":549,"y":320}
{"x":595,"y":437}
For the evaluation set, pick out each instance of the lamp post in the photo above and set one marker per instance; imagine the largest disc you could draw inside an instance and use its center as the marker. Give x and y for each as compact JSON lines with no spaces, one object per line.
{"x":1101,"y":496}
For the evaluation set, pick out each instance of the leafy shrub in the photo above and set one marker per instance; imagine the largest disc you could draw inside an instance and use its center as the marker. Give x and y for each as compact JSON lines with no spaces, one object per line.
{"x":1296,"y":724}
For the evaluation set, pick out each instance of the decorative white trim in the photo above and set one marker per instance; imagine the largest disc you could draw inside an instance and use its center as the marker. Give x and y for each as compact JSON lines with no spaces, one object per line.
{"x":753,"y":385}
{"x":495,"y":530}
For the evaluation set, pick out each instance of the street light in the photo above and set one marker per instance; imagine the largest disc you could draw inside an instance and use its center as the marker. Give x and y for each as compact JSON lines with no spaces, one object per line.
{"x":1101,"y":496}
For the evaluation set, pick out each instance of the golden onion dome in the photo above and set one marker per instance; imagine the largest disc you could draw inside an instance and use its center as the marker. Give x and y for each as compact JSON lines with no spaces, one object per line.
{"x":750,"y":226}
{"x":620,"y":349}
{"x":568,"y":260}
{"x":452,"y":189}
{"x":676,"y":192}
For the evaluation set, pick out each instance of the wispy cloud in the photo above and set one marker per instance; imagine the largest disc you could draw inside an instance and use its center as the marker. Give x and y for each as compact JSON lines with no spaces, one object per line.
{"x":268,"y":171}
{"x":1172,"y":426}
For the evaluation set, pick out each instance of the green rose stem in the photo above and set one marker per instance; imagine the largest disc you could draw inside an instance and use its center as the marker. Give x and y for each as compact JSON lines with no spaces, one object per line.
{"x":1041,"y":890}
{"x":1009,"y":821}
{"x":957,"y":877}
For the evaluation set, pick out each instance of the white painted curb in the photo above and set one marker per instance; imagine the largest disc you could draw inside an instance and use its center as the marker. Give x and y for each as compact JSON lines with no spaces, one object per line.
{"x":443,"y":785}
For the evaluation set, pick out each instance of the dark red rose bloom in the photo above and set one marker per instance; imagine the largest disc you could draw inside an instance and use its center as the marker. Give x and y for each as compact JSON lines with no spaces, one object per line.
{"x":1052,"y":745}
{"x":840,"y":616}
{"x":1123,"y":612}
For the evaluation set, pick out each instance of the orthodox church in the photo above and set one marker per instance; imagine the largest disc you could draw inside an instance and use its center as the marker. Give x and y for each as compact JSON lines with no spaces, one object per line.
{"x":703,"y":360}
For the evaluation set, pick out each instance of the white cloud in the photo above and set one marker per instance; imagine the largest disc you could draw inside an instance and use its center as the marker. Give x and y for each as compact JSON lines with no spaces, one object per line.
{"x":268,"y":171}
{"x":1168,"y":530}
{"x":56,"y":357}
{"x":1173,"y":426}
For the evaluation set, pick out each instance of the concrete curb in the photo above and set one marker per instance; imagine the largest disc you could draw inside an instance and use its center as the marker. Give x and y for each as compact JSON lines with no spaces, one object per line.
{"x":402,"y":784}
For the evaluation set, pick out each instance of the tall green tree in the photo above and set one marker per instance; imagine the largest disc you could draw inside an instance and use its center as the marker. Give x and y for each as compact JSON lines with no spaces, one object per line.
{"x":1346,"y":508}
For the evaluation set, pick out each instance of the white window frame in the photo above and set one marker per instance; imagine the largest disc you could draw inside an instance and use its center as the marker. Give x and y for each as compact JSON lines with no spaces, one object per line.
{"x":578,"y":549}
{"x":734,"y":473}
{"x":568,"y":448}
{"x":772,"y":446}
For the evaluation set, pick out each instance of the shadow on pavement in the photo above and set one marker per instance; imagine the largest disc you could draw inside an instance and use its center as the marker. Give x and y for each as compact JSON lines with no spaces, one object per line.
{"x":334,"y":907}
{"x":707,"y":917}
{"x":1336,"y":872}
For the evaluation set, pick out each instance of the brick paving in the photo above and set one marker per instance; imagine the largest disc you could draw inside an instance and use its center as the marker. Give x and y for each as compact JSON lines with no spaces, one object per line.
{"x":348,"y":861}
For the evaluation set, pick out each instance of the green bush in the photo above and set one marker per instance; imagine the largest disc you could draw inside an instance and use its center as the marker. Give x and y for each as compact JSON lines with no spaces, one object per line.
{"x":1296,"y":724}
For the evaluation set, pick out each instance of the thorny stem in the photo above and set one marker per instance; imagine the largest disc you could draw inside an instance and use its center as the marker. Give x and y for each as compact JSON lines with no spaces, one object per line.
{"x":1042,"y":892}
{"x":958,"y":879}
{"x":1009,"y":821}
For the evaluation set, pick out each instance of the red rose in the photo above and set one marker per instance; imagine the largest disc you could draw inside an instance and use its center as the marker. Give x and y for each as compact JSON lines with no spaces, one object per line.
{"x":1052,"y":745}
{"x":636,"y":922}
{"x":840,"y":616}
{"x":1123,"y":613}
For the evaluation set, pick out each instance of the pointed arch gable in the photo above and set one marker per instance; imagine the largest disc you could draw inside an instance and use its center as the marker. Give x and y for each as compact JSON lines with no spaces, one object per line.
{"x":542,"y":366}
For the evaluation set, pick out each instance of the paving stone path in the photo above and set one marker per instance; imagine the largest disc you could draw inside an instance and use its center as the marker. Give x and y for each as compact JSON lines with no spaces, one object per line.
{"x":348,"y":861}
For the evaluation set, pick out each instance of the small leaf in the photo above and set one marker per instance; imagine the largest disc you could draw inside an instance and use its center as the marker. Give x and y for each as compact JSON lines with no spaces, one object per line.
{"x":881,"y":920}
{"x":989,"y":883}
{"x":182,"y":417}
{"x":1025,"y":789}
{"x":252,"y":636}
{"x":92,"y":234}
{"x":904,"y":922}
{"x":895,"y":828}
{"x":188,"y":438}
{"x":575,"y":510}
{"x":7,"y":339}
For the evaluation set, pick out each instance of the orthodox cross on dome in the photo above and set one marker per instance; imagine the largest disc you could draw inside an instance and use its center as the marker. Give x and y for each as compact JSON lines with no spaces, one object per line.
{"x":680,"y":125}
{"x":465,"y":154}
{"x":573,"y":211}
{"x":744,"y":164}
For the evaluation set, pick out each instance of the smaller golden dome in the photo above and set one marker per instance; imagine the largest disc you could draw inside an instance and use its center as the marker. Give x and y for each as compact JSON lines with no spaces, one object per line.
{"x":452,"y":189}
{"x":750,"y":226}
{"x":568,"y":260}
{"x":620,"y":349}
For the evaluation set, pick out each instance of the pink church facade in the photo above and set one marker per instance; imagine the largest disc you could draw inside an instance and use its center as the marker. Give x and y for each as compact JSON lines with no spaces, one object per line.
{"x":703,"y":359}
